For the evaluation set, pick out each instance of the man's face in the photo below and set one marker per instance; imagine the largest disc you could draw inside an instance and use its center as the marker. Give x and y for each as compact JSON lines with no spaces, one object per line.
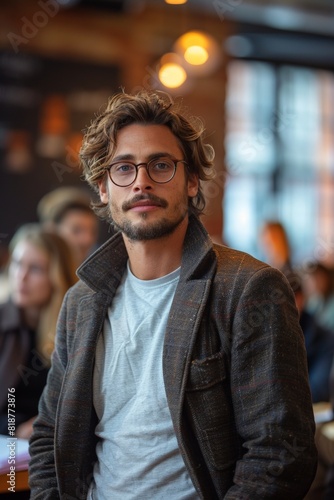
{"x":146,"y":210}
{"x":79,"y":229}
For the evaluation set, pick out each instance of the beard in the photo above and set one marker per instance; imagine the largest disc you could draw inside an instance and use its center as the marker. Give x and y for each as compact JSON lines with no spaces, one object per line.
{"x":156,"y":230}
{"x":150,"y":231}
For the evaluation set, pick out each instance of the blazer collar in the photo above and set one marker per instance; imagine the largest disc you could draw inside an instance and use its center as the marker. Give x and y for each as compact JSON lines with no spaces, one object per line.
{"x":197,"y":251}
{"x":103,"y":270}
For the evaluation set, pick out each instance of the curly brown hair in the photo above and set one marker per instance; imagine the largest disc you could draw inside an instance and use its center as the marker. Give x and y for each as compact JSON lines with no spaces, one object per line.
{"x":148,"y":108}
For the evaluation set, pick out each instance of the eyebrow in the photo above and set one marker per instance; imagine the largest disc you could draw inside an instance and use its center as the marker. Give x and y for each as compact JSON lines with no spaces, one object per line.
{"x":152,"y":156}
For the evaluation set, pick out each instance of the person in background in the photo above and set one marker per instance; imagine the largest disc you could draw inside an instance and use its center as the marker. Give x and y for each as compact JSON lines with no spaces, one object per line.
{"x":319,"y":340}
{"x":329,"y":448}
{"x":275,"y":245}
{"x":319,"y":281}
{"x":41,"y":269}
{"x":68,"y":210}
{"x":179,"y":369}
{"x":323,"y":486}
{"x":319,"y":343}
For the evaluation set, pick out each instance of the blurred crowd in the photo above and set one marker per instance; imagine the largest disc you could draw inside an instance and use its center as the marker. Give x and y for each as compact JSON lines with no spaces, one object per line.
{"x":37,"y":268}
{"x":313,"y":287}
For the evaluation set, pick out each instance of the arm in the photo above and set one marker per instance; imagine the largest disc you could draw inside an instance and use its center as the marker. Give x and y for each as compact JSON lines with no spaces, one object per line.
{"x":42,"y":473}
{"x":270,"y":393}
{"x":24,"y":430}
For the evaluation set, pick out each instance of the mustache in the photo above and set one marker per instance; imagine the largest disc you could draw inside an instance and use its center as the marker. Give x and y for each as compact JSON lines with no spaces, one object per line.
{"x":127,"y":205}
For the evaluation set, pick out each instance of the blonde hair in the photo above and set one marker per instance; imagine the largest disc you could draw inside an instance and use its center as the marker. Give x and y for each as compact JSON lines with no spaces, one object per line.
{"x":147,"y":108}
{"x":61,"y":274}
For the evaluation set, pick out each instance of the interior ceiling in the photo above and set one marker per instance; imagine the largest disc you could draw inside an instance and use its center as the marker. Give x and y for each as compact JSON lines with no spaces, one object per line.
{"x":307,"y":27}
{"x":310,"y":16}
{"x":325,"y":6}
{"x":306,"y":4}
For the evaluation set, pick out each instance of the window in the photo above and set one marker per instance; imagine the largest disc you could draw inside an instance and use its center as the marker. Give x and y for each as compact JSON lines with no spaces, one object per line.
{"x":280,"y":156}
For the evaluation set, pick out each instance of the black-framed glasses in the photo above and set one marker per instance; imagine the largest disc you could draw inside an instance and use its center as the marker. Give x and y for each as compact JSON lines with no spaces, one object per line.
{"x":160,"y":170}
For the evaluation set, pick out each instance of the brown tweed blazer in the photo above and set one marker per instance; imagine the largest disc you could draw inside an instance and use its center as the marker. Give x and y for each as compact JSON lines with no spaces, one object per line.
{"x":234,"y":369}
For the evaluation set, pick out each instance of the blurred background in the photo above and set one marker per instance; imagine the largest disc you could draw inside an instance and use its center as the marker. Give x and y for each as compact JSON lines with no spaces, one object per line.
{"x":259,"y":73}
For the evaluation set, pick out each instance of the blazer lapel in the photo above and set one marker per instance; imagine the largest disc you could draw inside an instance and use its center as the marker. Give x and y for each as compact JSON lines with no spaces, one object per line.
{"x":76,"y":398}
{"x":91,"y":316}
{"x":183,"y":324}
{"x":191,"y":296}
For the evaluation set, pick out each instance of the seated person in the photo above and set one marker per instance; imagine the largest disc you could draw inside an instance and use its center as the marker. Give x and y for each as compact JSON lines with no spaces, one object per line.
{"x":319,"y":343}
{"x":320,"y":294}
{"x":275,"y":245}
{"x":41,"y":270}
{"x":68,"y":210}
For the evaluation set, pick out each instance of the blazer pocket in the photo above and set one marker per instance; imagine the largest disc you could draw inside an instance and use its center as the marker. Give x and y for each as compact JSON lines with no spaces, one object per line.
{"x":205,"y":373}
{"x":211,"y":412}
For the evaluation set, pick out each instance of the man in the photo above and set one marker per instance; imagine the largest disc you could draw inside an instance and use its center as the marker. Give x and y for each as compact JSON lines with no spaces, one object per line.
{"x":179,"y":370}
{"x":68,"y":210}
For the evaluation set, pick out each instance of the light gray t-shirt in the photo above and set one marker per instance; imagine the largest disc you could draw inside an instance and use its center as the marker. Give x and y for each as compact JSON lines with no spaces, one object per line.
{"x":138,"y":455}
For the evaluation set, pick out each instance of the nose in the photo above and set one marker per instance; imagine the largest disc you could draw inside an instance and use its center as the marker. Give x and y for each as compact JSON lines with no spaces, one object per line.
{"x":143,"y":180}
{"x":22,"y":273}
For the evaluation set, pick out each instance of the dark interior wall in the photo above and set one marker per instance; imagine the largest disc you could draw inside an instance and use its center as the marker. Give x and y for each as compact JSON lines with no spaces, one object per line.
{"x":38,"y":150}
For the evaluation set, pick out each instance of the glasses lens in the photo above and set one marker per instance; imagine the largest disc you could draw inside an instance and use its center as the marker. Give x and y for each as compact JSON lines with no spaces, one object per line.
{"x":122,"y":173}
{"x":161,"y":169}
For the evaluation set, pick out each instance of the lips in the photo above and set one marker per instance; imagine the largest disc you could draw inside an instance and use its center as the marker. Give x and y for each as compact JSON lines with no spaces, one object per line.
{"x":145,"y":204}
{"x":144,"y":201}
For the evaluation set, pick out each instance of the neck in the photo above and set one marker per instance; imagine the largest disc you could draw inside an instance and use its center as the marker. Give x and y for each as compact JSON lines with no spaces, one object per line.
{"x":153,"y":259}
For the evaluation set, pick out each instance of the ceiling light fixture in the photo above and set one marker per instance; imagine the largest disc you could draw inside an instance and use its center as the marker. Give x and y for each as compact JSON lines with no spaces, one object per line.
{"x":176,"y":2}
{"x":199,"y":50}
{"x":171,"y":73}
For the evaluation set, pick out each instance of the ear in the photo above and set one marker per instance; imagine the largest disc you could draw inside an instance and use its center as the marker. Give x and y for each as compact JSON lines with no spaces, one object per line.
{"x":193,"y":183}
{"x":103,"y":190}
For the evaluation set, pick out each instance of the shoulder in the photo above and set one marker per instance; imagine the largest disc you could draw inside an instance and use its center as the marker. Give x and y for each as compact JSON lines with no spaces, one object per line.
{"x":240,"y":272}
{"x":76,"y":293}
{"x":241,"y":263}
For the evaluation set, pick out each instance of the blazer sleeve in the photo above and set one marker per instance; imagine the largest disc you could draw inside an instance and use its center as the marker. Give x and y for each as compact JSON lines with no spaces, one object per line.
{"x":42,"y":473}
{"x":270,"y":393}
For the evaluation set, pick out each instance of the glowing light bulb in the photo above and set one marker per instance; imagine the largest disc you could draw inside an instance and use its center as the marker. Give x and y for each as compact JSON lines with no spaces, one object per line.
{"x":172,"y":75}
{"x":199,"y":51}
{"x":176,"y":2}
{"x":196,"y":55}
